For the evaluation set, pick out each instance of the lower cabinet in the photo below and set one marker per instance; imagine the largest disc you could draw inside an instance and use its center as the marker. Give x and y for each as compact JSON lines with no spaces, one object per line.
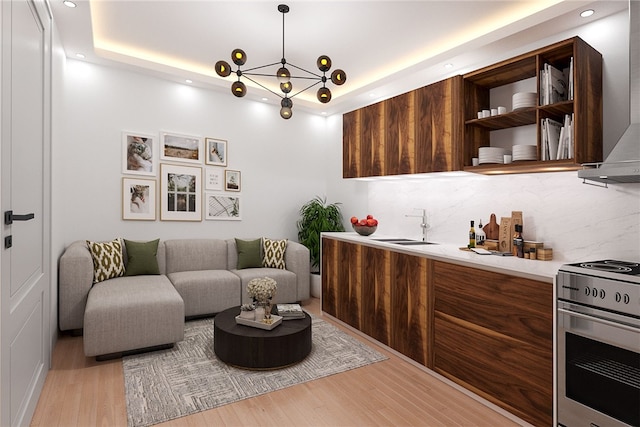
{"x":493,"y":334}
{"x":489,"y":332}
{"x":379,"y":292}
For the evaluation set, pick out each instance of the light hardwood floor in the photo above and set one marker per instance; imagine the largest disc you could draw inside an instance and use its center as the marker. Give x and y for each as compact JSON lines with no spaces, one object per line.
{"x":82,"y":392}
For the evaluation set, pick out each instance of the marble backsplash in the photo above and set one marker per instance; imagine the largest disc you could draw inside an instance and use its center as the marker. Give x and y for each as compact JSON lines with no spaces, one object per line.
{"x":580,"y":222}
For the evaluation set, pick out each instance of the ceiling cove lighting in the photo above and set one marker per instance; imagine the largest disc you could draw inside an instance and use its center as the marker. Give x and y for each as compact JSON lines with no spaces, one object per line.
{"x":283,"y":74}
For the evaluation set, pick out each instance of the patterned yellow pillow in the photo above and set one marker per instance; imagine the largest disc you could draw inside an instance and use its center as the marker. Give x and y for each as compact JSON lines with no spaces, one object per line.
{"x":107,"y":259}
{"x":273,"y":251}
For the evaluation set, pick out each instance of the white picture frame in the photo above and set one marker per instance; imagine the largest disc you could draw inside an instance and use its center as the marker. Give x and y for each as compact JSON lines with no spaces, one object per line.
{"x":139,"y":154}
{"x":214,"y":180}
{"x":175,"y":147}
{"x":225,"y":207}
{"x":180,"y":193}
{"x":216,"y":152}
{"x":138,"y":199}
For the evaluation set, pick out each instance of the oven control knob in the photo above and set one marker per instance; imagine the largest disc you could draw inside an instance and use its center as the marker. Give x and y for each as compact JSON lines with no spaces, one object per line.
{"x":626,"y":298}
{"x":587,"y":291}
{"x":618,"y":297}
{"x":602,"y":294}
{"x":594,"y":293}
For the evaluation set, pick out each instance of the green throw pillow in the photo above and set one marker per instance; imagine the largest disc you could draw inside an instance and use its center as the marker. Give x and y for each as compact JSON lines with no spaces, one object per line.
{"x":141,"y":258}
{"x":274,"y":253}
{"x":107,"y":259}
{"x":249,"y":255}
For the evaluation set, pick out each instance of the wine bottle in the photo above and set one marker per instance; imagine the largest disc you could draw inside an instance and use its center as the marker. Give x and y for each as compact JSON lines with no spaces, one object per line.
{"x":472,"y":236}
{"x":480,"y":235}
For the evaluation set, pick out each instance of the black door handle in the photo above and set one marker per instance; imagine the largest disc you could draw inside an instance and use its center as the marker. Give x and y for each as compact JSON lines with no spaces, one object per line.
{"x":9,"y":217}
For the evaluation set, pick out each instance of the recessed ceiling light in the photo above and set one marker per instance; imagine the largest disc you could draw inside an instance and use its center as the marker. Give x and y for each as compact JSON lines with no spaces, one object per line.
{"x":69,"y":3}
{"x":373,"y":95}
{"x":587,"y":13}
{"x":265,"y":99}
{"x":448,"y":65}
{"x":80,"y":55}
{"x":188,"y":81}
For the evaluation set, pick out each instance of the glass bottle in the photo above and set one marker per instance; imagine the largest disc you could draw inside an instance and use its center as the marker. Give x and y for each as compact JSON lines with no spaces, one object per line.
{"x":472,"y":236}
{"x":518,"y":242}
{"x":480,"y":235}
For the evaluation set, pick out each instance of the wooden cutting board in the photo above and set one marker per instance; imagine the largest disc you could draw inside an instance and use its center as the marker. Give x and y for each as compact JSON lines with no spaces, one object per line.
{"x":492,"y":229}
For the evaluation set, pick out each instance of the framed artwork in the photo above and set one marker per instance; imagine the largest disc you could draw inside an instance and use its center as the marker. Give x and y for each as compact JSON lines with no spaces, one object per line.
{"x":222,"y":207}
{"x":213,"y":179}
{"x":139,"y":155}
{"x":180,"y":148}
{"x":231,"y":180}
{"x":180,"y":193}
{"x":216,"y":151}
{"x":138,"y":199}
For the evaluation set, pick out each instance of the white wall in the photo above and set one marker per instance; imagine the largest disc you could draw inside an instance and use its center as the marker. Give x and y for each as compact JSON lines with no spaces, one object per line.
{"x":282,"y":161}
{"x":581,"y":222}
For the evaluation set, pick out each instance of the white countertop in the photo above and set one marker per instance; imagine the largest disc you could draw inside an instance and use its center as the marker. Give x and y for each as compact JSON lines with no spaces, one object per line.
{"x":544,"y":271}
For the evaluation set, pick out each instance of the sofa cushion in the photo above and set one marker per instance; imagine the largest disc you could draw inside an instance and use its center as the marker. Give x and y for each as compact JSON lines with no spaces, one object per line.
{"x":207,"y":291}
{"x":107,"y":259}
{"x":195,"y":255}
{"x":141,"y":257}
{"x":274,"y":251}
{"x":249,"y":253}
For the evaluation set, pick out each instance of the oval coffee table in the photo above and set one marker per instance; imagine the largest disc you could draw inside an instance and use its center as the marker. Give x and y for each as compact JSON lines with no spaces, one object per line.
{"x":254,"y":348}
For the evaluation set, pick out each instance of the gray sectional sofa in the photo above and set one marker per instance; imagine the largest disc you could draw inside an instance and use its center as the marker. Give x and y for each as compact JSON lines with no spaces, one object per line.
{"x":197,"y":277}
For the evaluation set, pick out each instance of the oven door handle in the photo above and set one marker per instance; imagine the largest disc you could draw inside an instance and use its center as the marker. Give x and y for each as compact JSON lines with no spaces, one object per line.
{"x":599,"y":320}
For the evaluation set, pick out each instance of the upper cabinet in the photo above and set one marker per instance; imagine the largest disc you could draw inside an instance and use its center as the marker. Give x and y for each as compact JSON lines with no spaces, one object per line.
{"x":582,"y":105}
{"x":436,"y":128}
{"x":417,"y":132}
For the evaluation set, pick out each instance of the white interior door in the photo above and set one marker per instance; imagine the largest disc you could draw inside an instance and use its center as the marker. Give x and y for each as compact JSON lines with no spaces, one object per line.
{"x":24,"y":291}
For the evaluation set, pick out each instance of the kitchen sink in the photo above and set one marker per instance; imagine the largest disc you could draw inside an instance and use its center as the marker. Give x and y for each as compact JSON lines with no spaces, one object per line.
{"x":392,"y":240}
{"x":413,"y":243}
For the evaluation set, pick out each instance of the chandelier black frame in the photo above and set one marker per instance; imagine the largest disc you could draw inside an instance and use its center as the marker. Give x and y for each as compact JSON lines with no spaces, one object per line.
{"x":284,"y":76}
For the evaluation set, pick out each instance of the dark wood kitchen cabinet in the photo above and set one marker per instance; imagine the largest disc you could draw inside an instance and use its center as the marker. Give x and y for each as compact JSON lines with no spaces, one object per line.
{"x":416,"y":132}
{"x":379,"y":292}
{"x":493,"y":334}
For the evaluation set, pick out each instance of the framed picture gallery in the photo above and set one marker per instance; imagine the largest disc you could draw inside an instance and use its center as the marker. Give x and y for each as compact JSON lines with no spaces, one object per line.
{"x":138,"y":199}
{"x":232,"y":180}
{"x":139,"y":154}
{"x":180,"y":148}
{"x":180,"y":193}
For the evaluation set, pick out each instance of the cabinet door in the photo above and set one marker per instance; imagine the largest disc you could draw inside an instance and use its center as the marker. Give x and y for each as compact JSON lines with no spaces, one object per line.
{"x":439,"y":131}
{"x":376,"y":294}
{"x":409,"y":306}
{"x":330,"y":279}
{"x":400,"y":136}
{"x":341,"y":280}
{"x":372,"y":140}
{"x":351,"y":162}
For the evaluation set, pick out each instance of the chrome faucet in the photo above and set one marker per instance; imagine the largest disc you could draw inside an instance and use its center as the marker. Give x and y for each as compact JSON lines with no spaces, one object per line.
{"x":423,"y":224}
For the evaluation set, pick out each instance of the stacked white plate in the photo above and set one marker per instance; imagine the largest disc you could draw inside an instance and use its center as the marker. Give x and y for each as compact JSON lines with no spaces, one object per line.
{"x":491,"y":155}
{"x":524,"y":152}
{"x":524,"y":100}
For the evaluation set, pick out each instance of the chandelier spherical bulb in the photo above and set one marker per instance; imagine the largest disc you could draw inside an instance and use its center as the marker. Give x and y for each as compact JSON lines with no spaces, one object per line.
{"x":324,"y":63}
{"x":238,"y":56}
{"x":283,"y":75}
{"x":286,"y":113}
{"x":324,"y":95}
{"x":239,"y":89}
{"x":223,"y":69}
{"x":338,"y":77}
{"x":286,"y":87}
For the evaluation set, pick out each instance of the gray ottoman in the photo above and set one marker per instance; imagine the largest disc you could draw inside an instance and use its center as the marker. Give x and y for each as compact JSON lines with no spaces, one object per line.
{"x":132,"y":313}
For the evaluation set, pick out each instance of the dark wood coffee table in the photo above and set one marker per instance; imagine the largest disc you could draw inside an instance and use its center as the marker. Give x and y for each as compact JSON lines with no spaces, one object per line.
{"x":254,"y":348}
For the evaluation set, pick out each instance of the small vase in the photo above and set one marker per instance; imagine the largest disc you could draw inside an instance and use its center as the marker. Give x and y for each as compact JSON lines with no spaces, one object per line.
{"x":259,"y":313}
{"x":267,"y":309}
{"x":249,"y":315}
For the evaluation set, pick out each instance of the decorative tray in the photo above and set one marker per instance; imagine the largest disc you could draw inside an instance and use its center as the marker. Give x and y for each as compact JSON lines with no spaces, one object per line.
{"x":275,"y":321}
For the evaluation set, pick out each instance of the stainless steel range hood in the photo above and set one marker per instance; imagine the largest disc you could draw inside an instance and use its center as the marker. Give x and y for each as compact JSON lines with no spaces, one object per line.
{"x":622,"y":165}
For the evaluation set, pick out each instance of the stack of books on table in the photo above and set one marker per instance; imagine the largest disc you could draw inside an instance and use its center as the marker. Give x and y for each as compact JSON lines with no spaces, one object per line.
{"x":290,"y":311}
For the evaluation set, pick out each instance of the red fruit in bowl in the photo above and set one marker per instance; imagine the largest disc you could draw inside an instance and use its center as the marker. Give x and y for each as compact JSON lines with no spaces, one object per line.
{"x":369,"y":216}
{"x":354,"y":220}
{"x":371,"y":222}
{"x":375,"y":221}
{"x":362,"y":222}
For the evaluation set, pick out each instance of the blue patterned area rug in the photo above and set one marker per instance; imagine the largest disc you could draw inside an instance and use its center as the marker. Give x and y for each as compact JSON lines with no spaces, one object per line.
{"x":189,"y":378}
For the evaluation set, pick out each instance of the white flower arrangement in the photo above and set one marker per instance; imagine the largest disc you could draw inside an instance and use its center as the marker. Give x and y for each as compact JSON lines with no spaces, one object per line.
{"x":262,"y":289}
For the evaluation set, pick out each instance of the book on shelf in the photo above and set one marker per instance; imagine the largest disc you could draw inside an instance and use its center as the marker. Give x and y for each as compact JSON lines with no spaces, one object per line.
{"x":557,"y":138}
{"x":290,"y":311}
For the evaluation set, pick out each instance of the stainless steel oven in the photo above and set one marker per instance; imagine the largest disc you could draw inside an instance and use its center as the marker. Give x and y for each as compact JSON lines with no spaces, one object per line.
{"x":598,"y":344}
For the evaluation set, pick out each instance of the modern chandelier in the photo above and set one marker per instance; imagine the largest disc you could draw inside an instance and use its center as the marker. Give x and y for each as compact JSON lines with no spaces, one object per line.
{"x":284,"y":76}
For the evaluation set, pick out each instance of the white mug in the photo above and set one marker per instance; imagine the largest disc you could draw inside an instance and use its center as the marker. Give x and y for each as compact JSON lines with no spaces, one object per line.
{"x":507,"y":159}
{"x":502,"y":110}
{"x":486,"y":113}
{"x":475,"y":161}
{"x":494,"y":111}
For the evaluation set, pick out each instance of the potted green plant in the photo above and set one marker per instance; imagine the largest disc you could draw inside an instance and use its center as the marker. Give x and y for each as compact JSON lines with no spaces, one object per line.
{"x":317,"y":216}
